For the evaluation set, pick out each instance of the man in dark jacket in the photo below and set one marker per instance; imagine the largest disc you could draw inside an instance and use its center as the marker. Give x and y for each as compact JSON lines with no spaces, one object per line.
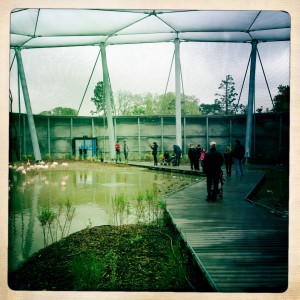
{"x":191,"y":155}
{"x":238,"y":154}
{"x":212,"y":164}
{"x":177,"y":152}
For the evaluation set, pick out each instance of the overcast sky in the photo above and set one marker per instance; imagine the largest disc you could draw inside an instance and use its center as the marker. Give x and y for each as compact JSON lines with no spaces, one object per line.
{"x":59,"y":76}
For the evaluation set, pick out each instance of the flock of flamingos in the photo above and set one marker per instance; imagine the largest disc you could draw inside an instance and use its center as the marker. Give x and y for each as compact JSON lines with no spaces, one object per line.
{"x":25,"y":168}
{"x":41,"y":165}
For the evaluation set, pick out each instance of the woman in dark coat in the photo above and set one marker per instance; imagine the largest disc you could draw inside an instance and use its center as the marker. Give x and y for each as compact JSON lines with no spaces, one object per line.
{"x":228,"y":158}
{"x":154,"y":152}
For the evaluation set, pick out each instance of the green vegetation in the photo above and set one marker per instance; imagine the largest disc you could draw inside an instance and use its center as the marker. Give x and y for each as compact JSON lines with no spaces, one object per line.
{"x":282,"y":99}
{"x":226,"y":103}
{"x":56,"y":224}
{"x":60,"y":111}
{"x":92,"y":274}
{"x":148,"y":256}
{"x":112,"y":258}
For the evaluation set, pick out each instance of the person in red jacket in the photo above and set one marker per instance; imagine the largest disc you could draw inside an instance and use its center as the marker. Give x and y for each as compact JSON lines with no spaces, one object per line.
{"x":118,"y":152}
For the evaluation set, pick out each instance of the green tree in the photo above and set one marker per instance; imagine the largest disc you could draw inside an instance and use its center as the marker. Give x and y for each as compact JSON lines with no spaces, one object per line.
{"x":99,"y":99}
{"x":282,"y":99}
{"x":60,"y":111}
{"x":210,"y":109}
{"x":227,"y":97}
{"x":166,"y":104}
{"x":190,"y":105}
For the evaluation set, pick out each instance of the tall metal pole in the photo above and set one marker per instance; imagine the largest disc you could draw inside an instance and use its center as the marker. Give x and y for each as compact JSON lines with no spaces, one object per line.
{"x":139,"y":138}
{"x":177,"y":88}
{"x":107,"y":92}
{"x":250,"y":100}
{"x":162,"y":133}
{"x":19,"y":134}
{"x":207,"y":142}
{"x":48,"y":134}
{"x":34,"y":139}
{"x":226,"y":95}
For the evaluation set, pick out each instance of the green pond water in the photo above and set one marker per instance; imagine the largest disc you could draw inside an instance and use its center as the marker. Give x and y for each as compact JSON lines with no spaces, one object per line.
{"x":89,"y":195}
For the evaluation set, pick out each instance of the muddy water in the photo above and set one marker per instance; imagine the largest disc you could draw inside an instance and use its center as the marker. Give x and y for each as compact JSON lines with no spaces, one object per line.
{"x":90,"y":193}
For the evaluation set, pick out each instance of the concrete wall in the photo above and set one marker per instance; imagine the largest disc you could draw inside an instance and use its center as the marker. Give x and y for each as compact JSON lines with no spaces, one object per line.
{"x":270,"y":143}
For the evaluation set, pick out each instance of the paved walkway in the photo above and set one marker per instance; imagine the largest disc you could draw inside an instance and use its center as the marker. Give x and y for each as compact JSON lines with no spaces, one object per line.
{"x":240,"y":247}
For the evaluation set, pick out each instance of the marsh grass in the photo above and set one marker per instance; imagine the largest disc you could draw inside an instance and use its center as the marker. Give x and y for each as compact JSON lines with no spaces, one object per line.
{"x":91,"y":273}
{"x":139,"y":207}
{"x":56,"y":224}
{"x":147,"y":208}
{"x":120,"y":207}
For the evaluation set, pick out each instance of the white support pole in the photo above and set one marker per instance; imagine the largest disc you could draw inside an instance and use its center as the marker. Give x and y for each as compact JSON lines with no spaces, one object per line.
{"x":250,"y":100}
{"x":93,"y":128}
{"x":162,"y":133}
{"x":34,"y":139}
{"x":49,"y":138}
{"x":184,"y":135}
{"x":139,"y":138}
{"x":177,"y":88}
{"x":207,"y":142}
{"x":107,"y":93}
{"x":71,"y":137}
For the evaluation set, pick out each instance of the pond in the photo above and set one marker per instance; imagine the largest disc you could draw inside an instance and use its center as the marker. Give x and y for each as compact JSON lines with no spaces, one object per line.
{"x":75,"y":199}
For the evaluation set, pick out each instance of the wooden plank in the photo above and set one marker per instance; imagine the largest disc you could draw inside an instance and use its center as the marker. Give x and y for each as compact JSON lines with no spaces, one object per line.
{"x":239,"y":246}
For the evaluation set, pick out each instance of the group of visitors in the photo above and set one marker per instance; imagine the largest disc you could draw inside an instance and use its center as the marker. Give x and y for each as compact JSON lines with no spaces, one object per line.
{"x":196,"y":155}
{"x":118,"y":152}
{"x":211,"y":161}
{"x":176,"y":149}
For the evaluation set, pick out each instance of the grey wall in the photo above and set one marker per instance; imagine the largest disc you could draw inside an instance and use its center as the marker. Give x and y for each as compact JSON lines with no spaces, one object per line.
{"x":270,"y":141}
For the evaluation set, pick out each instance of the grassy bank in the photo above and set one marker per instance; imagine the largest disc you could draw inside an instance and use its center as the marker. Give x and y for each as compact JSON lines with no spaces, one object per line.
{"x":112,"y":258}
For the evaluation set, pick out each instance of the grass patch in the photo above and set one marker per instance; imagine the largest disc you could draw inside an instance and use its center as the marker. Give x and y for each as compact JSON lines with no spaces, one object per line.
{"x":112,"y":258}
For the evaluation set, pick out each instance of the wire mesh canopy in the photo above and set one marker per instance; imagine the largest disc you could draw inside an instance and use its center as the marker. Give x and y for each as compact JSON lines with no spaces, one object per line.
{"x":48,"y":28}
{"x":42,"y":28}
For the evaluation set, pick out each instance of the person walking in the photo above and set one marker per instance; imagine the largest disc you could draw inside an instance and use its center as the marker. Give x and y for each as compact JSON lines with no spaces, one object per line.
{"x":212,"y":165}
{"x":177,"y":152}
{"x":118,"y":152}
{"x":228,"y":158}
{"x":197,"y":157}
{"x":202,"y":155}
{"x":125,"y":151}
{"x":191,"y":155}
{"x":154,"y":152}
{"x":238,"y":154}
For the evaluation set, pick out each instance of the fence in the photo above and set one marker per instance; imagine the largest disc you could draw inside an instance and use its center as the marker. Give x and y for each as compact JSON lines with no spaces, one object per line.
{"x":56,"y":135}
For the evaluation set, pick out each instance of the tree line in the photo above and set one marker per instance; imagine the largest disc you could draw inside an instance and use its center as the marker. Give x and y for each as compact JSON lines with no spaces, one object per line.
{"x":127,"y":103}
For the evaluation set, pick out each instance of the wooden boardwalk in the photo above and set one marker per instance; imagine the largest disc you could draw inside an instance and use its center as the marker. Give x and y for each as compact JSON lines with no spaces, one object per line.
{"x":240,"y":247}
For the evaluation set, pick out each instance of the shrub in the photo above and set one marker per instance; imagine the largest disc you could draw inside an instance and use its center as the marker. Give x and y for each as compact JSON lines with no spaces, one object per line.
{"x":148,"y":157}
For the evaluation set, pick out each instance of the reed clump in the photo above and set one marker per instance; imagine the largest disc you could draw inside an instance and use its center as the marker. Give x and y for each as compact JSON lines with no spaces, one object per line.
{"x":56,"y":223}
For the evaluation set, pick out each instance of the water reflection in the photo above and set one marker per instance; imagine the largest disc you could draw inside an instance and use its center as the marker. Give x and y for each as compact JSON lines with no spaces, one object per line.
{"x":91,"y":193}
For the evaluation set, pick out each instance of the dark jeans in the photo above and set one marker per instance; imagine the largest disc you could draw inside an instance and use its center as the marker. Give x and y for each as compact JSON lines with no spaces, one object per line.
{"x":196,"y":164}
{"x":238,"y":166}
{"x":212,"y":180}
{"x":126,"y":155}
{"x":228,"y":168}
{"x":118,"y":156}
{"x":155,"y":159}
{"x":192,"y":164}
